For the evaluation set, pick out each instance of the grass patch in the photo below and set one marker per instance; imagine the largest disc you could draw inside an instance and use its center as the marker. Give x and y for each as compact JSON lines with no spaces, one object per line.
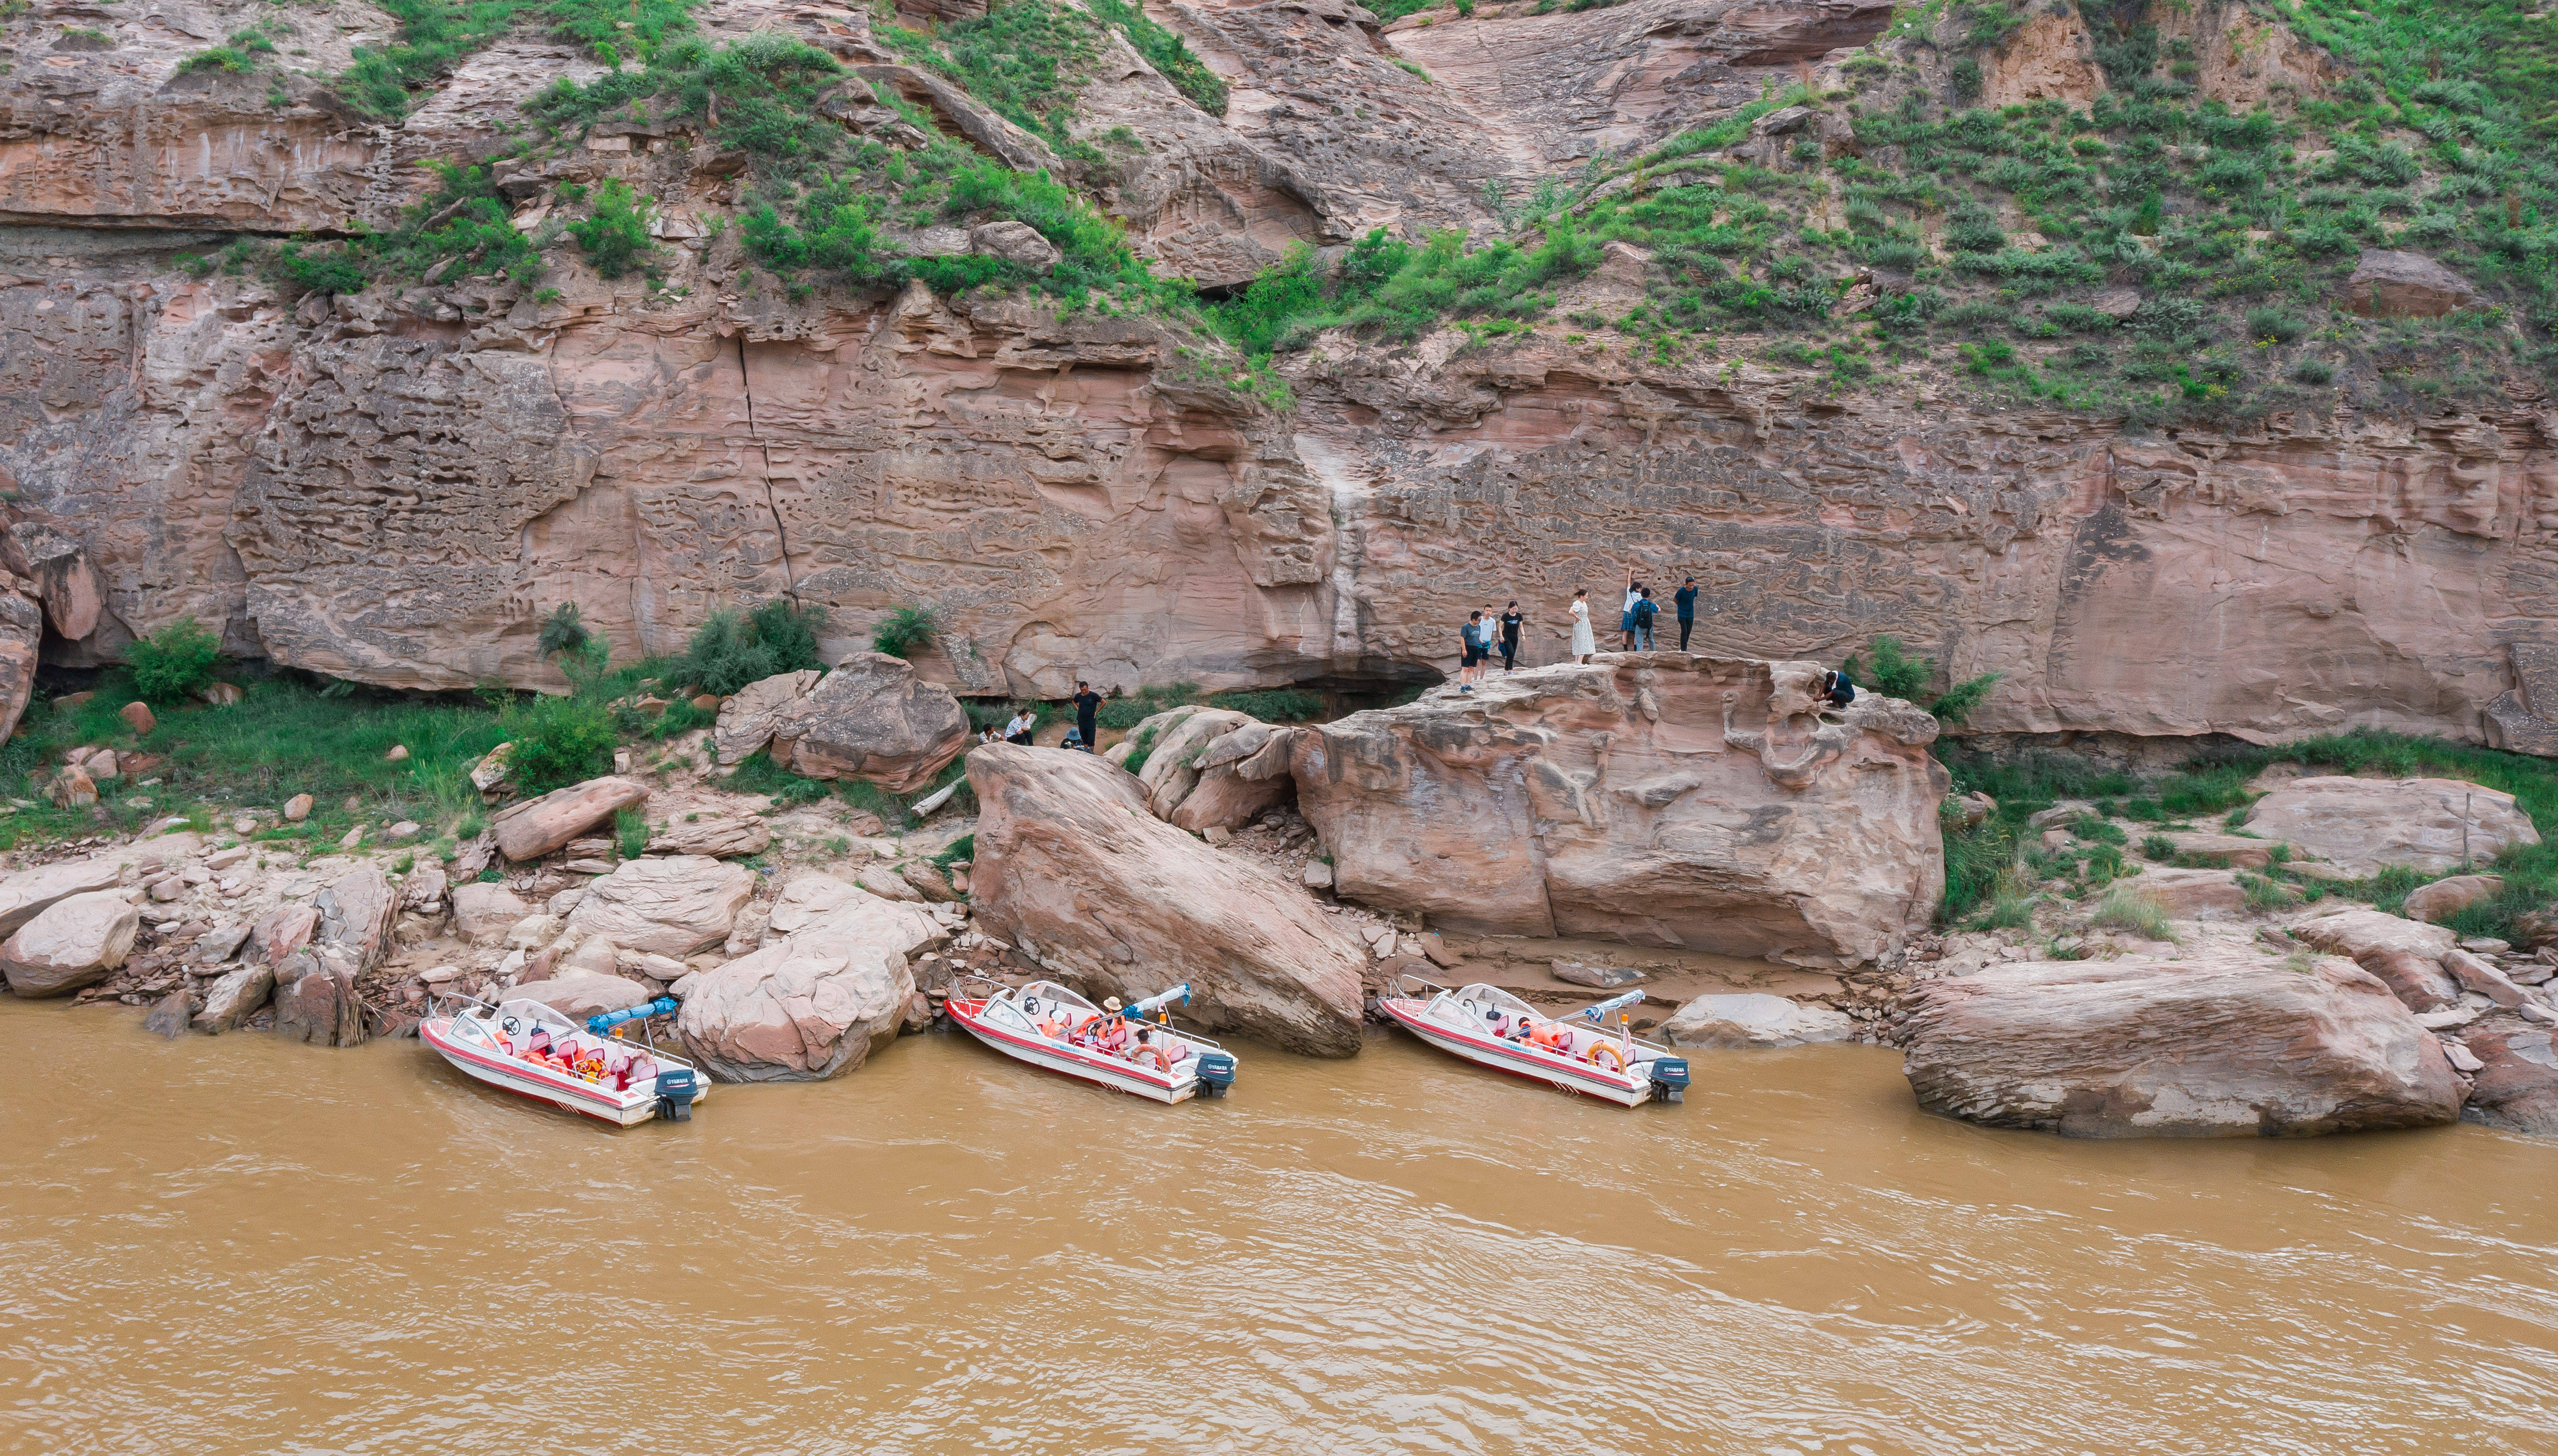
{"x":2134,"y":910}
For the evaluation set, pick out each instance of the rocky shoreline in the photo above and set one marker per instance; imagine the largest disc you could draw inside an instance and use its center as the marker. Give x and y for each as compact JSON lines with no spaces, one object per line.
{"x":1762,"y":865}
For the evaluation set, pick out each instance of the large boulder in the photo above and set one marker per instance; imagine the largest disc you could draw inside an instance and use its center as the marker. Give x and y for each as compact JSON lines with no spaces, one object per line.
{"x":872,"y":719}
{"x":1211,"y":767}
{"x":483,"y":913}
{"x":29,"y":893}
{"x":73,"y":593}
{"x":2363,"y":825}
{"x":235,"y":997}
{"x":2228,"y":1044}
{"x":1755,"y":1019}
{"x":280,"y":932}
{"x":535,"y":826}
{"x":1073,"y":868}
{"x":815,"y":1002}
{"x":2406,"y":954}
{"x":746,"y":719}
{"x":678,"y":906}
{"x":2187,"y":894}
{"x":1655,"y":799}
{"x":2443,"y":898}
{"x":74,"y":942}
{"x":2395,"y":285}
{"x":2517,"y":1088}
{"x":22,"y":629}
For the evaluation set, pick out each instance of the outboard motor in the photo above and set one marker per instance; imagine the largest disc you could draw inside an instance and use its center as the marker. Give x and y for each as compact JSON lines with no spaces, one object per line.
{"x":1215,"y":1073}
{"x":677,"y":1087}
{"x":1669,"y":1078}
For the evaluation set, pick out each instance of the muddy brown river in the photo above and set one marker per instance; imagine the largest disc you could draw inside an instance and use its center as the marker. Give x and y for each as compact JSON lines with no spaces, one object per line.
{"x":239,"y":1245}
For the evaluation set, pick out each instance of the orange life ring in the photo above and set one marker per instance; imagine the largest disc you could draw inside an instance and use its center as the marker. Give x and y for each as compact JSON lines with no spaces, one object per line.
{"x":1614,"y":1055}
{"x":1162,"y":1059}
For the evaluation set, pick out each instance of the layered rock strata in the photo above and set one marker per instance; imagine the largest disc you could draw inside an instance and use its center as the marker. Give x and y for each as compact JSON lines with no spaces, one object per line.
{"x":1657,"y":799}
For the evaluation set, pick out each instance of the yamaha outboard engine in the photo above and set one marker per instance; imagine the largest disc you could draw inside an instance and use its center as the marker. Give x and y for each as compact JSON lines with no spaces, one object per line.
{"x":677,"y":1087}
{"x":1669,"y":1078}
{"x":1215,"y":1073}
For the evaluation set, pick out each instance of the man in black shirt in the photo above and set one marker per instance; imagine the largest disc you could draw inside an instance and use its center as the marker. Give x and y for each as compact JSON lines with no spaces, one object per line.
{"x":1086,"y":704}
{"x":1685,"y":598}
{"x":1511,"y":620}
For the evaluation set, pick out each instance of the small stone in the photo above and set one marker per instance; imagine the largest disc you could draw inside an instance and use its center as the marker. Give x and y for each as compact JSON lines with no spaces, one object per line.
{"x":440,"y":975}
{"x":173,"y":1016}
{"x":220,"y":695}
{"x":1317,"y":875}
{"x":2486,"y":945}
{"x":1435,"y":950}
{"x":707,"y":702}
{"x":1601,"y":978}
{"x":297,"y":809}
{"x":169,"y":888}
{"x":397,"y":754}
{"x":2462,"y":1059}
{"x":402,"y":832}
{"x":1217,"y":834}
{"x":243,"y":826}
{"x":73,"y":789}
{"x":354,"y":803}
{"x":137,"y":715}
{"x":352,"y":838}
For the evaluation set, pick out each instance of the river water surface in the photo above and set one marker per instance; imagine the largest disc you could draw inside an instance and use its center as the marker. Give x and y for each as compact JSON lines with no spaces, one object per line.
{"x":241,"y":1246}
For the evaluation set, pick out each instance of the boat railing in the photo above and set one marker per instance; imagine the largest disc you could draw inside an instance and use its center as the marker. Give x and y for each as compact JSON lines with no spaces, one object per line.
{"x":1412,"y":986}
{"x":997,"y":987}
{"x":477,"y":1015}
{"x":1416,"y":988}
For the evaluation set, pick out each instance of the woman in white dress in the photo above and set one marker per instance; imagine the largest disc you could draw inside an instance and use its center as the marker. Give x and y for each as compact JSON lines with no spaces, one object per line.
{"x":1582,"y":643}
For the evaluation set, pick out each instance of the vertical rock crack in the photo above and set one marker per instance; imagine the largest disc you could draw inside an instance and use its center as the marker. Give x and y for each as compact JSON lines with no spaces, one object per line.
{"x":746,"y":386}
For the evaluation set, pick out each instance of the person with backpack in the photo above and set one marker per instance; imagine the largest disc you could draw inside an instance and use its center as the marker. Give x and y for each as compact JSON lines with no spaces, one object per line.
{"x":1685,"y":600}
{"x":1646,"y":611}
{"x":1473,"y":634}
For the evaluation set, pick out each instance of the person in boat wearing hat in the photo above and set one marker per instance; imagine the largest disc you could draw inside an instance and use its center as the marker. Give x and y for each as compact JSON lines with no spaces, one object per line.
{"x":1109,"y":1030}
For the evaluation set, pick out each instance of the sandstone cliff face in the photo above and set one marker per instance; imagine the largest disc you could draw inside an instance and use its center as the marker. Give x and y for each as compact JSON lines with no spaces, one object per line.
{"x":393,"y":487}
{"x":1650,"y":798}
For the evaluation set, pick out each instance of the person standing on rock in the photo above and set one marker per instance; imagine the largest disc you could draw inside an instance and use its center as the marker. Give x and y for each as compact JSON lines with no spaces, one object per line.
{"x":1647,"y":611}
{"x":1685,"y":598}
{"x":1513,"y":621}
{"x":1582,"y":643}
{"x":1626,"y":620}
{"x":1475,"y":651}
{"x":1087,"y":703}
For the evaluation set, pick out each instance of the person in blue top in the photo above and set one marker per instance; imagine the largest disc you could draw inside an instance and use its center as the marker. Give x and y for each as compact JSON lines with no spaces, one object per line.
{"x":1685,"y":598}
{"x":1646,"y":611}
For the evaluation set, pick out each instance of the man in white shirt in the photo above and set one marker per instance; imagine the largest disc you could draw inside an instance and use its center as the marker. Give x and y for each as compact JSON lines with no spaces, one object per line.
{"x":1019,"y":730}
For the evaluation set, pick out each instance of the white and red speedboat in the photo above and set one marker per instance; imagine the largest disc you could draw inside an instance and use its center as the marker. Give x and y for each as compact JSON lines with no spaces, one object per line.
{"x":1576,"y":1052}
{"x":1046,"y":1025}
{"x":527,"y":1048}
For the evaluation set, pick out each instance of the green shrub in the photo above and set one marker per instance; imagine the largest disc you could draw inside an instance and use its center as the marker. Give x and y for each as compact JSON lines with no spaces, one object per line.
{"x":2314,"y":371}
{"x":217,"y":58}
{"x":2097,"y":831}
{"x":732,"y":648}
{"x":2136,"y":910}
{"x":615,"y":231}
{"x":2158,"y":846}
{"x":904,"y":631}
{"x":759,"y":774}
{"x":2274,"y":323}
{"x":559,"y":741}
{"x":961,"y":849}
{"x":631,"y":833}
{"x":561,"y":632}
{"x":1273,"y":704}
{"x":175,"y":661}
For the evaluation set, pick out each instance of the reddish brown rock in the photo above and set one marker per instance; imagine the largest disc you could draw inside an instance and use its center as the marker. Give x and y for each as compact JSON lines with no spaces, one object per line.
{"x":2443,"y":898}
{"x":720,"y":838}
{"x":22,"y":627}
{"x":74,"y":942}
{"x":2390,"y":285}
{"x":2406,"y":954}
{"x":681,"y":905}
{"x":872,"y":719}
{"x":2517,"y":1088}
{"x":2227,"y":1044}
{"x":2366,"y":824}
{"x":747,"y":717}
{"x":137,"y":716}
{"x":1655,"y":799}
{"x":316,"y":1002}
{"x":815,"y":1003}
{"x":29,"y":893}
{"x":1073,"y":868}
{"x":536,"y":827}
{"x":356,"y":911}
{"x":281,"y":932}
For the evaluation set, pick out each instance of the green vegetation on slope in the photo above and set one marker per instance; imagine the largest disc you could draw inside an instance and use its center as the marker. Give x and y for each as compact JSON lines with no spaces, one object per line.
{"x":435,"y":34}
{"x":1991,"y":869}
{"x":1025,"y":59}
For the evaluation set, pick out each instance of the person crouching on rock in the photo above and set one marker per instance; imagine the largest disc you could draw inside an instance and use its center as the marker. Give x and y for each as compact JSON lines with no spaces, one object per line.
{"x":1837,"y":689}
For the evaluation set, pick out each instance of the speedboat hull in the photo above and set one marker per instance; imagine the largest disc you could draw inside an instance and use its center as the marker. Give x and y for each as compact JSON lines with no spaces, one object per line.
{"x":1093,"y":1067}
{"x":1533,"y":1063}
{"x":473,"y":1050}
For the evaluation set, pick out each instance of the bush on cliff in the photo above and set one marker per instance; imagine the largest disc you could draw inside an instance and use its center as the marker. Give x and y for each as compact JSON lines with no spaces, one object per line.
{"x":559,"y":741}
{"x":904,"y":631}
{"x":732,"y":648}
{"x":174,"y":662}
